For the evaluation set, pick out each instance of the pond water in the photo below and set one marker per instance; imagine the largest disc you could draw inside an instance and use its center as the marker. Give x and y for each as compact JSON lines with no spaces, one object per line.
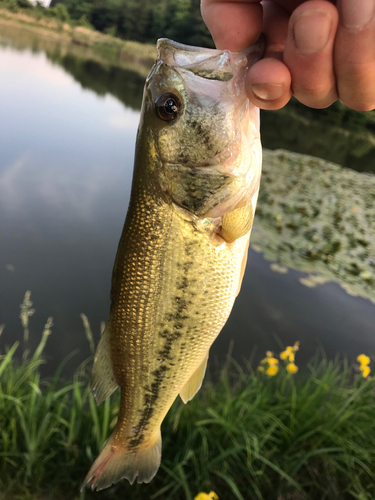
{"x":67,"y":135}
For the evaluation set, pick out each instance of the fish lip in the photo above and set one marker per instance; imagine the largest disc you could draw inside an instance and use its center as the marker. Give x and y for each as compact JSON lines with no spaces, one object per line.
{"x":167,"y":47}
{"x":212,"y":64}
{"x":188,"y":56}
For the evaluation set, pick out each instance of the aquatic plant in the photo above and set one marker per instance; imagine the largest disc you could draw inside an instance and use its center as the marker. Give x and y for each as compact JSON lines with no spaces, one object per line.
{"x":317,"y":217}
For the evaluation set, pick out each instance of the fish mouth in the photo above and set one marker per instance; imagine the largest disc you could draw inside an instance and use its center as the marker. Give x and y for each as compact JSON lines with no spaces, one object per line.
{"x":212,"y":64}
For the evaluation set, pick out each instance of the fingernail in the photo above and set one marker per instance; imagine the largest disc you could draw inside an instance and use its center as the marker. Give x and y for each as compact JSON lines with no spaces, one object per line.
{"x":311,"y":31}
{"x":268,"y":91}
{"x":355,"y":15}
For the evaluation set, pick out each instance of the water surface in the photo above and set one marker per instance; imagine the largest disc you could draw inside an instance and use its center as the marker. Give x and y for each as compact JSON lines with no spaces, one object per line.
{"x":67,"y":135}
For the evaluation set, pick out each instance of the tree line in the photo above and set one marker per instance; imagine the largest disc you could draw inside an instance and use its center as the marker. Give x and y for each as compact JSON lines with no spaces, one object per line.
{"x":142,"y":20}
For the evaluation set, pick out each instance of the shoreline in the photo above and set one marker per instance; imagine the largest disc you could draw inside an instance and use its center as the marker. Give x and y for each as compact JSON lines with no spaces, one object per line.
{"x":105,"y":49}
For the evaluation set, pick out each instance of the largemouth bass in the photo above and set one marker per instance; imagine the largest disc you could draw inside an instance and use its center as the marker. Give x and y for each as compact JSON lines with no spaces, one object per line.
{"x":183,"y":250}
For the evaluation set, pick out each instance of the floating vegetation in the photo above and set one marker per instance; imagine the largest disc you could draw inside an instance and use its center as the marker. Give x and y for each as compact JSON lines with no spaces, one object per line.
{"x":319,"y":218}
{"x":278,"y":268}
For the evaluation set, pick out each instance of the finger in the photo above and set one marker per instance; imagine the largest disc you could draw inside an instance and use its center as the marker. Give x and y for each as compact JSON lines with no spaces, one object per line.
{"x":309,"y":53}
{"x":354,"y":55}
{"x":234,"y":24}
{"x":268,"y":84}
{"x":268,"y":81}
{"x":275,"y":27}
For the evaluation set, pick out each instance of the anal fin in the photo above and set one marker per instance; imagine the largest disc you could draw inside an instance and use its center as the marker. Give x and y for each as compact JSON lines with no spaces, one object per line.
{"x":103,"y":382}
{"x":194,"y":383}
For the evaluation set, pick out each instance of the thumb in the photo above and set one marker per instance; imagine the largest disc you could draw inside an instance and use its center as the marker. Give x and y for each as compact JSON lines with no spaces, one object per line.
{"x":234,"y":24}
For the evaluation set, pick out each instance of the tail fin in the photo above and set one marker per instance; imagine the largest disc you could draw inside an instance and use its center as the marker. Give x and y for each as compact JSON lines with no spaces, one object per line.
{"x":115,"y":462}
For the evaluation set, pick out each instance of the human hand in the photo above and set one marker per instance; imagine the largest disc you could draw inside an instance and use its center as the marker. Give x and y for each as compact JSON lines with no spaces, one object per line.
{"x":319,"y":50}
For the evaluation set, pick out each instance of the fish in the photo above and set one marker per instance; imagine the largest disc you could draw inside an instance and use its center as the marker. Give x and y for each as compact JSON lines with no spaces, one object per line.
{"x":183,"y":250}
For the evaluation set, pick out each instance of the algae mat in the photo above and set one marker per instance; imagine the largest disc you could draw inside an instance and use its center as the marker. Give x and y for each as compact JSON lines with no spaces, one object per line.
{"x":317,"y":217}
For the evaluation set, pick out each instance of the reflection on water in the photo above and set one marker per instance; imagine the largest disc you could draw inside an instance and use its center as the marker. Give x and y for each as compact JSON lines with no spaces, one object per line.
{"x":67,"y":128}
{"x":289,"y":130}
{"x":65,"y":173}
{"x":103,"y":79}
{"x":126,"y":86}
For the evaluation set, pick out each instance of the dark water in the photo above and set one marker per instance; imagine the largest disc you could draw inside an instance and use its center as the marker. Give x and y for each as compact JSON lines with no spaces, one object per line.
{"x":67,"y":134}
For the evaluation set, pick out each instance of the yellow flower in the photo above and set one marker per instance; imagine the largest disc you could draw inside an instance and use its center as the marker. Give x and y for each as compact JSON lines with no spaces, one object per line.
{"x":269,"y":359}
{"x":363,"y":360}
{"x":365,"y":371}
{"x":272,"y":370}
{"x":287,"y":355}
{"x":204,"y":496}
{"x":273,"y":361}
{"x":292,"y":368}
{"x":270,"y":364}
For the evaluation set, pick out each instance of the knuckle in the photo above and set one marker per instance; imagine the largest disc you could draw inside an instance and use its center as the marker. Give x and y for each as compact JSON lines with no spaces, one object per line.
{"x":312,"y":88}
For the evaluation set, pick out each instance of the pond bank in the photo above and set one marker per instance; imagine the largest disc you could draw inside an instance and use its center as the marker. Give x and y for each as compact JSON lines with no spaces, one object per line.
{"x":105,"y":49}
{"x":250,"y":435}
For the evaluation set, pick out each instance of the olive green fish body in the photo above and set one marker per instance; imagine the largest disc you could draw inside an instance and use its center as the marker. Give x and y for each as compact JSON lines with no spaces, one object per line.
{"x":183,"y":250}
{"x":174,"y":291}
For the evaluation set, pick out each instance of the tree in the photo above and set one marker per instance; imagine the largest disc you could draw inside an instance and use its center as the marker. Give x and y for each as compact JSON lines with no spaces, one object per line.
{"x":143,"y":20}
{"x":61,"y":13}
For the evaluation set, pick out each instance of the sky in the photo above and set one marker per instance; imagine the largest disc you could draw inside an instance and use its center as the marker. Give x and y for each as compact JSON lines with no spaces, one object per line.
{"x":45,"y":2}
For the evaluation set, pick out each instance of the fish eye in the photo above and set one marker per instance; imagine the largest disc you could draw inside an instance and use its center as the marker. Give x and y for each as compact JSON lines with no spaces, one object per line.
{"x":168,"y":106}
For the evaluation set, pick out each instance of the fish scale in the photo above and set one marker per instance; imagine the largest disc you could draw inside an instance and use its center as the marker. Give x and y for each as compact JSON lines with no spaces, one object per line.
{"x":191,"y":310}
{"x":183,"y":249}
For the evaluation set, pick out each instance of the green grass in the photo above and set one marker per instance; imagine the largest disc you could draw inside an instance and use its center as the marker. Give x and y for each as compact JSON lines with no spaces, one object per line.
{"x":247,"y":436}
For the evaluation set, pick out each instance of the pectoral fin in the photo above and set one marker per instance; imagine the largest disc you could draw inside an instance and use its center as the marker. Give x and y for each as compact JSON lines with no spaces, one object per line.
{"x":194,"y":383}
{"x":103,"y":382}
{"x":237,"y":223}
